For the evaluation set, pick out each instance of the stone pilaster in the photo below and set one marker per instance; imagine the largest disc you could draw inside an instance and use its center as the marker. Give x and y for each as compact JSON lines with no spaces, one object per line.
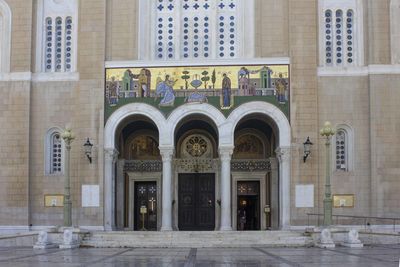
{"x":283,"y":155}
{"x":225,"y":154}
{"x":166,"y":154}
{"x":110,"y":158}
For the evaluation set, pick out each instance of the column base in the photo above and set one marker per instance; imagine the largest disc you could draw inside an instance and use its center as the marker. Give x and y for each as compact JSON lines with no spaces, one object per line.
{"x":166,"y":229}
{"x":226,"y":228}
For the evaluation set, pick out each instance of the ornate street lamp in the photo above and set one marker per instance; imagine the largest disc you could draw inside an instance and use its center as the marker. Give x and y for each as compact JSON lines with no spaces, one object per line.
{"x":68,"y":137}
{"x":327,"y":131}
{"x":88,"y":150}
{"x":307,"y":148}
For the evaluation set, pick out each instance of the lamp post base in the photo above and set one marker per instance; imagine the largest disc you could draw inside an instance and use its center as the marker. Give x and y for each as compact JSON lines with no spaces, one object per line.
{"x":328,"y":211}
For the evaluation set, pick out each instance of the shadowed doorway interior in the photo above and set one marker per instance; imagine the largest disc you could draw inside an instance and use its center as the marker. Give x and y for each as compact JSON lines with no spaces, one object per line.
{"x":248,"y":217}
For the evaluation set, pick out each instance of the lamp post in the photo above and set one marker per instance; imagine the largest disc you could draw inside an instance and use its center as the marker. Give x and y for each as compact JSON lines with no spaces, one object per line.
{"x":68,"y":137}
{"x":327,"y":131}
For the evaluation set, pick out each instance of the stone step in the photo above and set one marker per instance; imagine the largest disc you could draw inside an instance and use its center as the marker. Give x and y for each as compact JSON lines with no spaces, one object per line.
{"x":196,"y":239}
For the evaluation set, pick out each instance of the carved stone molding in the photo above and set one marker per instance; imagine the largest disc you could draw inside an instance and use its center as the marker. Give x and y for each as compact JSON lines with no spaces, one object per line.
{"x":166,"y":153}
{"x":283,"y":154}
{"x":251,"y":165}
{"x":143,"y":166}
{"x":111,"y":154}
{"x":196,"y":165}
{"x":225,"y":152}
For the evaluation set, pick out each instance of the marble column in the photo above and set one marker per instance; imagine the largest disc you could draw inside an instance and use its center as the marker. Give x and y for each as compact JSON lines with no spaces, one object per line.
{"x":166,"y":154}
{"x":120,"y":195}
{"x":225,"y":155}
{"x":283,"y":154}
{"x":110,"y":158}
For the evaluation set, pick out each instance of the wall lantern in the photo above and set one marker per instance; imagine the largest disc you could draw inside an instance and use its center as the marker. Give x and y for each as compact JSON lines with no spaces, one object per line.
{"x":88,"y":150}
{"x":307,"y":148}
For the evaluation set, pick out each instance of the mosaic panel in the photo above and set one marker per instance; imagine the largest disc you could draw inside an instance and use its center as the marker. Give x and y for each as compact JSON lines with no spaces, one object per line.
{"x":224,"y":87}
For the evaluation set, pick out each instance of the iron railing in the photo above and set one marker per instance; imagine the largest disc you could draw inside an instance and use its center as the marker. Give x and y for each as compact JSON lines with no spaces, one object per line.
{"x":366,"y":219}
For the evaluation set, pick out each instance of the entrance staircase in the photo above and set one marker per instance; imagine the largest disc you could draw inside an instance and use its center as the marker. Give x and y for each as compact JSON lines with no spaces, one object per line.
{"x":181,"y":239}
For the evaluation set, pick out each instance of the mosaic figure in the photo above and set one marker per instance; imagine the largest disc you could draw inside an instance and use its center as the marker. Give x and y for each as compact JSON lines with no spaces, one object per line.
{"x":280,"y":85}
{"x":226,"y":91}
{"x":166,"y":91}
{"x":113,"y":92}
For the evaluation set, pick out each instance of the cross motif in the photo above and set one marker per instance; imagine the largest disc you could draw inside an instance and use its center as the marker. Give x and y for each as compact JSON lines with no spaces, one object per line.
{"x":232,"y":5}
{"x":196,"y":6}
{"x":206,"y":6}
{"x":152,"y":202}
{"x":186,"y":6}
{"x":221,"y":6}
{"x":170,"y":7}
{"x":152,"y":189}
{"x":242,"y":189}
{"x":160,"y":7}
{"x":142,"y":190}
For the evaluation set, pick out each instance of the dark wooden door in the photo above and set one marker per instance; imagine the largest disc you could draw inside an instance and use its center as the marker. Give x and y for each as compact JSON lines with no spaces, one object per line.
{"x":146,"y":195}
{"x":196,"y":196}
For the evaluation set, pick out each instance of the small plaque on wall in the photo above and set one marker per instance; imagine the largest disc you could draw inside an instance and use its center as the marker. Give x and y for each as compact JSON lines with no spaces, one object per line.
{"x":343,"y":201}
{"x":304,"y":196}
{"x":90,"y":196}
{"x":54,"y":200}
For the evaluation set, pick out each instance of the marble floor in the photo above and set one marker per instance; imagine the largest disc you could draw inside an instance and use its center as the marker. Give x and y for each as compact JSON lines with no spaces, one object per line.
{"x":380,"y":255}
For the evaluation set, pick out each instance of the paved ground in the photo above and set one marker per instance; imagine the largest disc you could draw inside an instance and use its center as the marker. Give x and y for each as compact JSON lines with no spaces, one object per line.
{"x":384,"y":255}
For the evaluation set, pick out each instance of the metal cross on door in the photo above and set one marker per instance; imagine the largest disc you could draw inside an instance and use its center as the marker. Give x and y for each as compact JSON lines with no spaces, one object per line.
{"x":145,"y":206}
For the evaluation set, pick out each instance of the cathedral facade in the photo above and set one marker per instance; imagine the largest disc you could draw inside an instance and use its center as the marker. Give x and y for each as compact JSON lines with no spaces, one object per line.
{"x":192,"y":115}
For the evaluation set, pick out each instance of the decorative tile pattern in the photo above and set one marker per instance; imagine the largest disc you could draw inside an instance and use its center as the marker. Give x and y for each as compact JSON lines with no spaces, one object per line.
{"x":59,"y":30}
{"x":339,"y":37}
{"x":49,"y":44}
{"x":68,"y":43}
{"x":201,"y":24}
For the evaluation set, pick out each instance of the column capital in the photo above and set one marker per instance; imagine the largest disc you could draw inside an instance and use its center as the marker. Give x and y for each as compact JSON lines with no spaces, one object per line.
{"x":225,"y":152}
{"x":166,"y":152}
{"x":111,"y":153}
{"x":283,"y":154}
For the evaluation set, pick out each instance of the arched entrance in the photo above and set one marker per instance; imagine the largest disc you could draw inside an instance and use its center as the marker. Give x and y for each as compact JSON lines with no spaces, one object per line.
{"x":138,"y":175}
{"x":196,"y":175}
{"x":282,"y":152}
{"x":254,"y":174}
{"x":220,"y":132}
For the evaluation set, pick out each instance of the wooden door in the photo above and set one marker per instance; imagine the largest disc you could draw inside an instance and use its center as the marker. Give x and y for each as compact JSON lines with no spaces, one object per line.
{"x":196,"y":194}
{"x":146,"y":196}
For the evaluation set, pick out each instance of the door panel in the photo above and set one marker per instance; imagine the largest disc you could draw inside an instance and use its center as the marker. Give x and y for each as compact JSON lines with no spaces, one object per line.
{"x":196,"y":202}
{"x":146,"y":195}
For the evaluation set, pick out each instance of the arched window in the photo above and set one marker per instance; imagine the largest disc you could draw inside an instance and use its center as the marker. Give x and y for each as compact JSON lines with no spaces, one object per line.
{"x":5,"y":36}
{"x":193,"y":29}
{"x":54,"y":152}
{"x":343,"y":148}
{"x":57,"y":31}
{"x":341,"y":42}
